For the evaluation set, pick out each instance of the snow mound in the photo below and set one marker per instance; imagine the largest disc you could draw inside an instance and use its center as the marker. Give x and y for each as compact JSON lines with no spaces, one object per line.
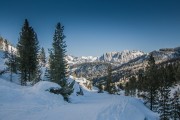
{"x":36,"y":103}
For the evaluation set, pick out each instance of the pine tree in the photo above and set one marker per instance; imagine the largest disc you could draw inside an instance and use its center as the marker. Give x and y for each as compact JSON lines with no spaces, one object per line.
{"x":177,"y":74}
{"x":28,"y":52}
{"x":132,"y":86}
{"x":151,"y":84}
{"x":175,"y":113}
{"x":164,"y":90}
{"x":42,"y":57}
{"x":109,"y":80}
{"x":57,"y":63}
{"x":127,"y":91}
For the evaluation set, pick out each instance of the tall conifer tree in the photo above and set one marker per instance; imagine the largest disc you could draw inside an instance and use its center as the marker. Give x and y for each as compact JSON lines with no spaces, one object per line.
{"x":164,"y":94}
{"x":57,"y":62}
{"x":58,"y":65}
{"x":28,"y":51}
{"x":151,"y":84}
{"x":109,"y":80}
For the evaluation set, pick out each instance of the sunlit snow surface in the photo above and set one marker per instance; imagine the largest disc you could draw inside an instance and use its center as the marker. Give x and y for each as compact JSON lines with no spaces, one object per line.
{"x":35,"y":103}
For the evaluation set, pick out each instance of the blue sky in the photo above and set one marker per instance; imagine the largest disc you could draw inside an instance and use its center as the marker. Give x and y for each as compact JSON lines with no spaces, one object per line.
{"x":93,"y":27}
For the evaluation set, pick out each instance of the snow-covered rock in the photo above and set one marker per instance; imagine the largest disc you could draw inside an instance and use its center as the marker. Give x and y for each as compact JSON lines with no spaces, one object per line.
{"x":121,"y":57}
{"x":77,"y":60}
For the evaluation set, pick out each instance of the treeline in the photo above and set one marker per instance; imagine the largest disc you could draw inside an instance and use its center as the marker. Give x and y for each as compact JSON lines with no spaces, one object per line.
{"x":154,"y":85}
{"x":28,"y":60}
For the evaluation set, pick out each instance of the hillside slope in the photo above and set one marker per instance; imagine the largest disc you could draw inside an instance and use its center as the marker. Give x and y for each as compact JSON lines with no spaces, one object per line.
{"x":35,"y":103}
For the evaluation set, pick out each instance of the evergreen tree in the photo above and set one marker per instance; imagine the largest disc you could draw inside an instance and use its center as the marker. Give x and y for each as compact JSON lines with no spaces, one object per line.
{"x":127,"y":91}
{"x":151,"y":84}
{"x":175,"y":112}
{"x":132,"y":86}
{"x":177,"y":74}
{"x":100,"y":86}
{"x":109,"y":80}
{"x":42,"y":57}
{"x":28,"y":54}
{"x":57,"y":63}
{"x":164,"y":101}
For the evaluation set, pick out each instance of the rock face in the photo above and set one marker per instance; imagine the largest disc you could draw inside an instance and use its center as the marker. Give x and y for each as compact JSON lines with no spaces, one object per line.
{"x":166,"y":54}
{"x":78,"y":60}
{"x":113,"y":57}
{"x":120,"y":57}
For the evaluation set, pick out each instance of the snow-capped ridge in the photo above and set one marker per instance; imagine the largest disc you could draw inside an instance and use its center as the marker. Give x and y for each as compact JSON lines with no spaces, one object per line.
{"x":121,"y":57}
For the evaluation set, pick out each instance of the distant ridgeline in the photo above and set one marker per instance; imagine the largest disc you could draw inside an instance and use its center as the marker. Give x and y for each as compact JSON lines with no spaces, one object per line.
{"x":5,"y":45}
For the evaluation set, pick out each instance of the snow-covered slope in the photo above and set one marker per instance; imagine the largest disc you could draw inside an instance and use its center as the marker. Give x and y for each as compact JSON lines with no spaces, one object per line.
{"x":35,"y":103}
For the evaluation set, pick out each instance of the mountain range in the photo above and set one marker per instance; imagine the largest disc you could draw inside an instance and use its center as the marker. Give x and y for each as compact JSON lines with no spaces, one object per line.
{"x":125,"y":63}
{"x":111,"y":57}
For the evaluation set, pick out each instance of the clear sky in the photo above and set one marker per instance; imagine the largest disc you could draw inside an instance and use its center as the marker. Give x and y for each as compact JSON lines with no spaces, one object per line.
{"x":93,"y":27}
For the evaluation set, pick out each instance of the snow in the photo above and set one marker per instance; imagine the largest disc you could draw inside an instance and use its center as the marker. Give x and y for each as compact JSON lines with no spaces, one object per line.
{"x":78,"y":60}
{"x":2,"y":66}
{"x":121,"y":57}
{"x":36,"y":103}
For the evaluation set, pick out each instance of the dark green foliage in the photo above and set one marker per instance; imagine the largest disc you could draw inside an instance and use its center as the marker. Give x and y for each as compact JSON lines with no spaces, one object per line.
{"x":120,"y":86}
{"x":177,"y":74}
{"x":28,"y":52}
{"x":109,"y":80}
{"x":57,"y":71}
{"x":175,"y":112}
{"x":141,"y":81}
{"x":151,"y":84}
{"x":132,"y":86}
{"x":164,"y":94}
{"x":127,"y":89}
{"x":57,"y":62}
{"x":100,"y":87}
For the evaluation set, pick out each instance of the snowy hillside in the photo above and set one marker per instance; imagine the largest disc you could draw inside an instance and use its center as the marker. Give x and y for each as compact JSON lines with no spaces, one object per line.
{"x":35,"y":103}
{"x":166,"y":54}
